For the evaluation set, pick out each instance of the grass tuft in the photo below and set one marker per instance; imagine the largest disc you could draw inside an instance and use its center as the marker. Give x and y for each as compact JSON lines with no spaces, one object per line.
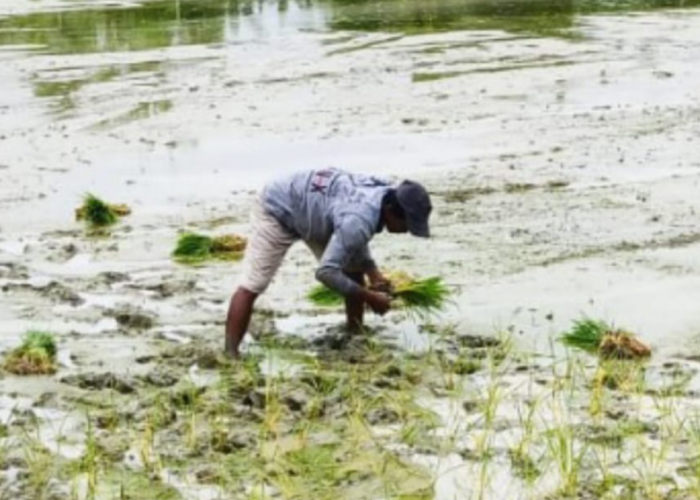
{"x":98,"y":213}
{"x":195,"y":248}
{"x":35,"y":356}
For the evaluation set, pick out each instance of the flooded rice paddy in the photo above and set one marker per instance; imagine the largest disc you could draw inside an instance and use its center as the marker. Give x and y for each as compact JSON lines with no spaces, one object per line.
{"x":559,"y":141}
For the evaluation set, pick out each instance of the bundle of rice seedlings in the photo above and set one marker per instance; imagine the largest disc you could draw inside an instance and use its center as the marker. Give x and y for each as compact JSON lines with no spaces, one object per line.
{"x":99,"y":213}
{"x":586,"y":335}
{"x":229,"y":246}
{"x":422,"y":297}
{"x":35,"y":356}
{"x":599,"y":338}
{"x":195,"y":248}
{"x":623,"y":345}
{"x":323,"y":296}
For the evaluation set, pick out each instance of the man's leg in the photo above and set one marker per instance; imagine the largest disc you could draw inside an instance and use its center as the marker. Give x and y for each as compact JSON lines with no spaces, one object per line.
{"x":355,"y":306}
{"x":267,"y":246}
{"x":240,"y":310}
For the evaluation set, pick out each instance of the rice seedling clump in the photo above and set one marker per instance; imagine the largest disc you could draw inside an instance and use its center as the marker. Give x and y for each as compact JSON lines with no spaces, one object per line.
{"x":98,"y":213}
{"x":228,"y":246}
{"x":323,"y":296}
{"x":598,"y":338}
{"x":35,"y":356}
{"x":422,"y":297}
{"x":195,"y":248}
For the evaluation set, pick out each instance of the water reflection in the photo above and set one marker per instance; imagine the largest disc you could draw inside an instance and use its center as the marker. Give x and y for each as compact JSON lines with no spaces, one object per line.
{"x":153,"y":25}
{"x":542,"y":17}
{"x":165,"y":23}
{"x":63,"y":84}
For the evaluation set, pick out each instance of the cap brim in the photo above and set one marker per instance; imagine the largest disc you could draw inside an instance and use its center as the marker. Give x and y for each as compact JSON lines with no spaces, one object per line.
{"x":418,"y":228}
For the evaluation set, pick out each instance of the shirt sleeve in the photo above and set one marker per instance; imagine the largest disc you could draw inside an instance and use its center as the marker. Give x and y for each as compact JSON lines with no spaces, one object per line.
{"x":364,"y":260}
{"x":349,"y":244}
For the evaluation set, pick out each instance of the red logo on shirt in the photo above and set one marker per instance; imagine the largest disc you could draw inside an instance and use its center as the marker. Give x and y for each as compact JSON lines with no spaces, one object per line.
{"x":320,"y":181}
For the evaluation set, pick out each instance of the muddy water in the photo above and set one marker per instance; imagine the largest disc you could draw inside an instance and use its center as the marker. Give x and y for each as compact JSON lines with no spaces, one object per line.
{"x":558,"y":139}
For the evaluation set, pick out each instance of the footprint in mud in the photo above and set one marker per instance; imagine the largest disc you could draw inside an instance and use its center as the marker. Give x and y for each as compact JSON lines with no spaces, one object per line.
{"x":13,"y":271}
{"x":62,"y":253}
{"x":61,"y":293}
{"x":132,"y":318}
{"x":108,"y":278}
{"x":101,"y":381}
{"x":166,"y":289}
{"x":205,"y":357}
{"x":53,"y":290}
{"x":161,"y":377}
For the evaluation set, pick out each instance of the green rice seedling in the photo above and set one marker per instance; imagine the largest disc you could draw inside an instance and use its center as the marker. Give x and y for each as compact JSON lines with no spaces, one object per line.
{"x":147,"y":450}
{"x":568,"y":456}
{"x":35,"y":356}
{"x":195,"y":248}
{"x":586,"y":335}
{"x":621,"y":375}
{"x":652,"y":465}
{"x":523,"y":465}
{"x":90,"y":459}
{"x":98,"y":213}
{"x":693,"y":467}
{"x":275,"y":410}
{"x":41,"y":341}
{"x":41,"y":467}
{"x":601,"y":464}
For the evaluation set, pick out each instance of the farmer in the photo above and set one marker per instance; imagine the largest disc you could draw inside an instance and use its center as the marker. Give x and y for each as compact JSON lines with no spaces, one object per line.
{"x":336,"y":214}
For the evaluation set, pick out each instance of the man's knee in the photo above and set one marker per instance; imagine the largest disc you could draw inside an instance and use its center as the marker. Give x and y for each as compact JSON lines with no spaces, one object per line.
{"x":245,"y":292}
{"x":255,"y":283}
{"x":357,"y":276}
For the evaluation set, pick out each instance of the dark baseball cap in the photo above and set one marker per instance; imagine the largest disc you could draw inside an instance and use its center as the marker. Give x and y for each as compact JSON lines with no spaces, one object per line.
{"x":415,"y":201}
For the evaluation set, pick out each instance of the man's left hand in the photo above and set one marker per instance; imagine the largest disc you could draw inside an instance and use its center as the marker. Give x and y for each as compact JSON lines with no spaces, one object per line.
{"x":379,"y":282}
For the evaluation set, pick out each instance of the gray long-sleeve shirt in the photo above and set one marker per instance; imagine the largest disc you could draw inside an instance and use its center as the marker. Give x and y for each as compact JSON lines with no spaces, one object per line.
{"x":333,"y":208}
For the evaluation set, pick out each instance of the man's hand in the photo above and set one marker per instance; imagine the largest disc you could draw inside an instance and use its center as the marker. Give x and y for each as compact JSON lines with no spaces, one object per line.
{"x":379,"y":282}
{"x":379,"y":302}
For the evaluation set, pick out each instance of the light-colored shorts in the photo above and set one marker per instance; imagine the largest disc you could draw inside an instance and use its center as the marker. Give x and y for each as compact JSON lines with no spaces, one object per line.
{"x":267,"y":245}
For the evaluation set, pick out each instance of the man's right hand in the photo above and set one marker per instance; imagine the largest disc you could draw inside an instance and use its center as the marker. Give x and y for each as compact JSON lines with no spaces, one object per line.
{"x":379,"y":302}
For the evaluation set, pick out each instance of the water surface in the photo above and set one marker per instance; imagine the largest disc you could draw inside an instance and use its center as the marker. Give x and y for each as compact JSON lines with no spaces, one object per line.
{"x":191,"y":22}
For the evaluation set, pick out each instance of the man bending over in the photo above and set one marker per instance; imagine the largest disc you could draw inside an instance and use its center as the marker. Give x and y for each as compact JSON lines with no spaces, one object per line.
{"x":336,"y":214}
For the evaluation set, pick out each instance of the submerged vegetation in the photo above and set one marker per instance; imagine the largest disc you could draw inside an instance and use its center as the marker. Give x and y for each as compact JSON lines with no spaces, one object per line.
{"x":598,"y":338}
{"x":195,"y":248}
{"x":99,"y":214}
{"x":35,"y":356}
